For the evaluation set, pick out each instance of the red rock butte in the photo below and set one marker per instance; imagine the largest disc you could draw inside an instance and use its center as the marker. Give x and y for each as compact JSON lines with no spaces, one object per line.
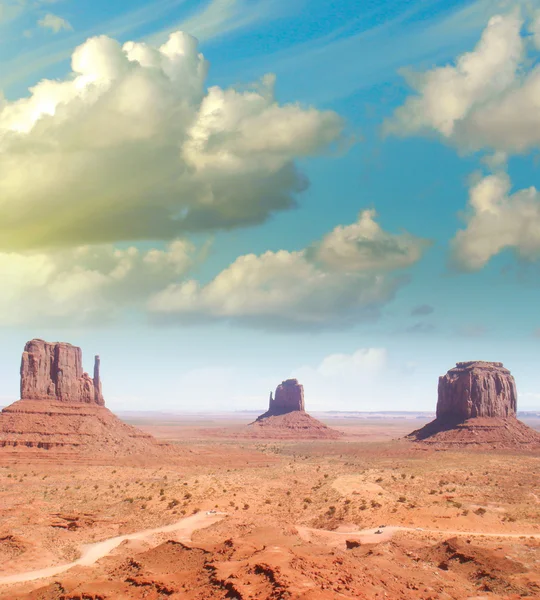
{"x":477,"y":405}
{"x":286,"y":417}
{"x":288,"y":398}
{"x":62,"y":414}
{"x":54,"y":372}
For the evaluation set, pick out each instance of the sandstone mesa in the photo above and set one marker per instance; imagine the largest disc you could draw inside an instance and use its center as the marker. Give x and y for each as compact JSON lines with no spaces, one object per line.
{"x":53,"y":371}
{"x":286,"y":417}
{"x":477,"y":405}
{"x":62,"y":413}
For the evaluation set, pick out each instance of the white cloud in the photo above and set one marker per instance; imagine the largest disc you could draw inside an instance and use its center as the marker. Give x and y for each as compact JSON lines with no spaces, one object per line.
{"x":132,"y":146}
{"x":310,"y":288}
{"x":86,"y":283}
{"x":496,"y":221}
{"x":487,"y":100}
{"x":220,"y":17}
{"x":11,"y":9}
{"x":362,"y":380}
{"x":368,"y":361}
{"x":365,"y":246}
{"x":54,"y":23}
{"x":534,"y":29}
{"x":447,"y":95}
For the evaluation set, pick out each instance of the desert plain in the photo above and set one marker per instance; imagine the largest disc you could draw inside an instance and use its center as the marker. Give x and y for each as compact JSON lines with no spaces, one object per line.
{"x":256,"y":518}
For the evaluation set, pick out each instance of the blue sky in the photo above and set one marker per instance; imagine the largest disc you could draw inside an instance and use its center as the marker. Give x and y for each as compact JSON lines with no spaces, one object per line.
{"x":201,"y":230}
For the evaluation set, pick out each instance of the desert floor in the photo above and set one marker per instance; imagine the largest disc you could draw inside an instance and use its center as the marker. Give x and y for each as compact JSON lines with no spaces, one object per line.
{"x":291,"y":520}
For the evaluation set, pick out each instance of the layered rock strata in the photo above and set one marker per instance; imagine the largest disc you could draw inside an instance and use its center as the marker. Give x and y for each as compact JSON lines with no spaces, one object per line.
{"x":53,"y":371}
{"x":286,"y":417}
{"x":476,"y":389}
{"x":477,"y":406}
{"x":62,"y":412}
{"x":289,"y":397}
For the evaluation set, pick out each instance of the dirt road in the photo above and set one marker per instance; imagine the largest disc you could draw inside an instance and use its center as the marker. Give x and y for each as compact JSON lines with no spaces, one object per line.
{"x":91,"y":553}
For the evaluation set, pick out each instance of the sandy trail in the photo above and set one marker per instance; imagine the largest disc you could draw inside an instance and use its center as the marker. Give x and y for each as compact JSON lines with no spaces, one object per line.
{"x":91,"y":553}
{"x":369,"y":536}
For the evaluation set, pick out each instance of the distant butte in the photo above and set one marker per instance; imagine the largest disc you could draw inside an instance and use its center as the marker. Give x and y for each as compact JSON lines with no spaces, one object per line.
{"x":286,"y":417}
{"x":289,"y":397}
{"x":62,"y":412}
{"x":477,"y":406}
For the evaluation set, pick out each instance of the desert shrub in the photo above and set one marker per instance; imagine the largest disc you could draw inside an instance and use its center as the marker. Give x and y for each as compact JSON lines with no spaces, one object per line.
{"x":173,"y":503}
{"x":378,"y":480}
{"x":480,"y":511}
{"x":402,"y":499}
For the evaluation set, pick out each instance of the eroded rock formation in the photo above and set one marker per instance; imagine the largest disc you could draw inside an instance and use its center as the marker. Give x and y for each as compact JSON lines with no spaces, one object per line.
{"x":477,"y":405}
{"x":476,"y":389}
{"x":53,"y":371}
{"x":288,"y":398}
{"x":286,"y":417}
{"x":61,"y":413}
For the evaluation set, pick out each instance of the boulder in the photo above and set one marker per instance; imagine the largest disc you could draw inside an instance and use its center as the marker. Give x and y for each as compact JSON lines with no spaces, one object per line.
{"x":53,"y":371}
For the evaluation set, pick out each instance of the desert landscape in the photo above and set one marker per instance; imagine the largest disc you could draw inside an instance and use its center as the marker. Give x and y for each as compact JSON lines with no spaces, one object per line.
{"x":221,"y":507}
{"x":269,"y":290}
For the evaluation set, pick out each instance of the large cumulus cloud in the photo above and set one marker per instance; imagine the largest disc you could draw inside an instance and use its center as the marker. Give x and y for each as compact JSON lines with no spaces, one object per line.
{"x":487,"y":99}
{"x":497,"y":220}
{"x":132,"y":146}
{"x":87,"y":284}
{"x":344,"y":278}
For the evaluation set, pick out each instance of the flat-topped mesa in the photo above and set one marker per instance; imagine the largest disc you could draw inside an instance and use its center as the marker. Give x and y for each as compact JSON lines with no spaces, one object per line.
{"x":53,"y":371}
{"x":476,"y":389}
{"x":289,"y":397}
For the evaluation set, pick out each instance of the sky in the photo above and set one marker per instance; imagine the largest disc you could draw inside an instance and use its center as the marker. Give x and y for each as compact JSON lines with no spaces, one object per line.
{"x":217,"y":196}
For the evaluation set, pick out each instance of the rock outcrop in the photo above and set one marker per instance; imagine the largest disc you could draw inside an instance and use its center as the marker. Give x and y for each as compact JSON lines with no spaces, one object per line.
{"x":476,"y":389}
{"x":477,"y":405}
{"x":53,"y":371}
{"x":61,"y":413}
{"x":286,"y":417}
{"x":288,"y":398}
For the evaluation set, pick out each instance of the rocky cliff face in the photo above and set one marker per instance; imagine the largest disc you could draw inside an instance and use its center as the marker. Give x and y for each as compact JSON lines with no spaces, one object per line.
{"x":53,"y":371}
{"x":477,"y":409}
{"x":288,"y":398}
{"x":476,"y":389}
